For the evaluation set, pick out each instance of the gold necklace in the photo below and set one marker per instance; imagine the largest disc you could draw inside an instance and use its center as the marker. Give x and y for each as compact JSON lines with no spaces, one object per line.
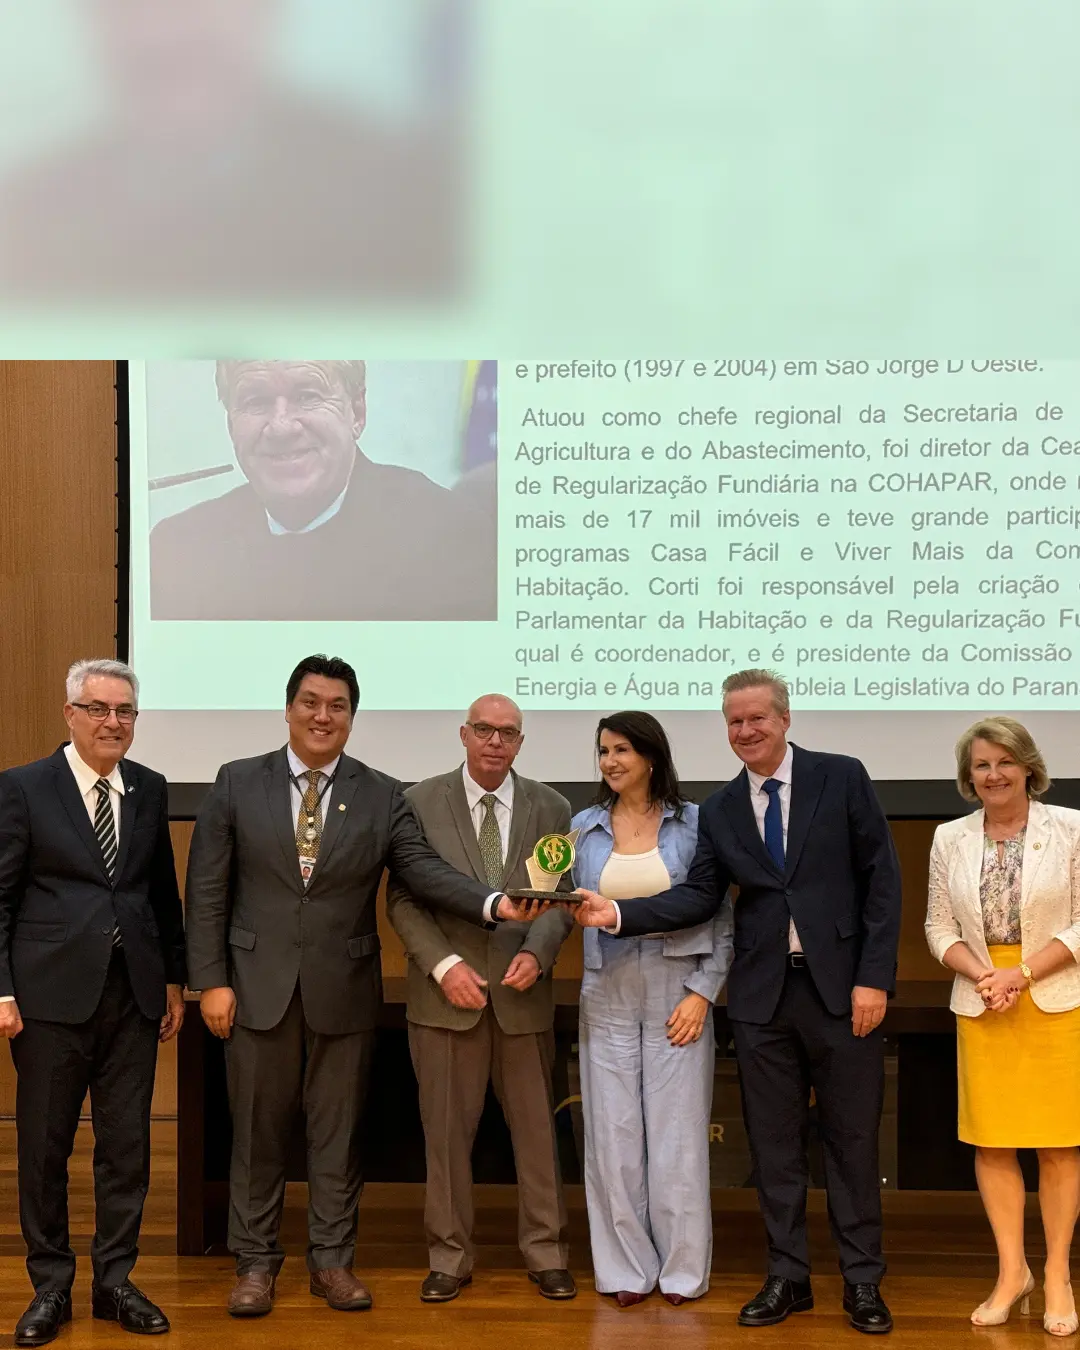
{"x":645,"y":819}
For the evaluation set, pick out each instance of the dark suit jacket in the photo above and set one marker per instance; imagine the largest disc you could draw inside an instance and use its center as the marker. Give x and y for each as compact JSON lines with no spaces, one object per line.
{"x":58,"y":906}
{"x":429,"y":938}
{"x":400,"y":548}
{"x":840,"y":883}
{"x":252,"y":924}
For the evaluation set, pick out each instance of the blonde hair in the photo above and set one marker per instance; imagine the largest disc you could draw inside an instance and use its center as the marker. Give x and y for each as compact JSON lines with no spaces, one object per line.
{"x":1015,"y":737}
{"x":759,"y":679}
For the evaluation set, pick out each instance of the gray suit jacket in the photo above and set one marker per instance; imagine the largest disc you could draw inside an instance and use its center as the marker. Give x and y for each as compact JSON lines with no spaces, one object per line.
{"x":252,"y":925}
{"x":429,"y":937}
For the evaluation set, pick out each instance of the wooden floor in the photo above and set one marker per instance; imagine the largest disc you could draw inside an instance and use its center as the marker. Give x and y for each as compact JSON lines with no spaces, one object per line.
{"x":939,"y":1252}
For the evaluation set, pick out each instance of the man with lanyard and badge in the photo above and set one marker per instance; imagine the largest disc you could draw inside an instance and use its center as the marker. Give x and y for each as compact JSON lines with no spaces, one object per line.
{"x":309,"y":817}
{"x":286,"y":859}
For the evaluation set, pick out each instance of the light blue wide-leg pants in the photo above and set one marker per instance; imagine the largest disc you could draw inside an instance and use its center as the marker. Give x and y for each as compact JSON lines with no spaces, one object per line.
{"x":646,"y":1107}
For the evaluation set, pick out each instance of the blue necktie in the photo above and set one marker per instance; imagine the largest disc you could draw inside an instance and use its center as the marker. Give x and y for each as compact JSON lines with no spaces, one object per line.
{"x":774,"y":822}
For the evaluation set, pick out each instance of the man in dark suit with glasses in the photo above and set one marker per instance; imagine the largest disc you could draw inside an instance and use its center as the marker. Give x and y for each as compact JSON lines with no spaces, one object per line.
{"x":91,"y":980}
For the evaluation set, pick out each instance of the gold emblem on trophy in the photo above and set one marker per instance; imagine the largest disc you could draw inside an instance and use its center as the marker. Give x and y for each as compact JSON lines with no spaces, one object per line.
{"x":551,"y":859}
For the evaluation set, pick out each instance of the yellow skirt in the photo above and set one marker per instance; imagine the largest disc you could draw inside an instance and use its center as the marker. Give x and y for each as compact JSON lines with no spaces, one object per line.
{"x":1018,"y":1073}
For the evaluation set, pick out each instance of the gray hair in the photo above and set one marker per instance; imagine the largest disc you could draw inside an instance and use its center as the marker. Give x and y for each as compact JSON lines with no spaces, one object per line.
{"x":80,"y":671}
{"x":351,"y":375}
{"x":760,"y":679}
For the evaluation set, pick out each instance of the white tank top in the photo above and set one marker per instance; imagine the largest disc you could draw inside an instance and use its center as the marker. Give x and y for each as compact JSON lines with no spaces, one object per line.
{"x":629,"y":876}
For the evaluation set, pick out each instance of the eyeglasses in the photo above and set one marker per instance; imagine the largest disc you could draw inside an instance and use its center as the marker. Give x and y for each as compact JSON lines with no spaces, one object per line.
{"x":484,"y":732}
{"x":98,"y":712}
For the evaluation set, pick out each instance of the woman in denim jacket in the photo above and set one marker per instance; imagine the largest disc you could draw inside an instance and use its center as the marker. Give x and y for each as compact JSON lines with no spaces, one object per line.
{"x":646,"y":1029}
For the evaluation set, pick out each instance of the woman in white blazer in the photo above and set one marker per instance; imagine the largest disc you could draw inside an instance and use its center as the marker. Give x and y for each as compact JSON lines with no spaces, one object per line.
{"x":1004,"y":914}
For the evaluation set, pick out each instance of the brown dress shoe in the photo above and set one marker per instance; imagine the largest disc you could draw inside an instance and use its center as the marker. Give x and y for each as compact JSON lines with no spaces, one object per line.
{"x":440,"y":1288}
{"x":341,"y":1289}
{"x":252,"y":1295}
{"x":554,"y":1283}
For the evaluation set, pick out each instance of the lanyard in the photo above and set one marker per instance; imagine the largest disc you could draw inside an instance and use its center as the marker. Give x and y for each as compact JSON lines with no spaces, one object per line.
{"x":322,"y":791}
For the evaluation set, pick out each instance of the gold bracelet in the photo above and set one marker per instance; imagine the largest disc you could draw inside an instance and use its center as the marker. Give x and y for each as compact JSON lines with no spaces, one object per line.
{"x":1025,"y":970}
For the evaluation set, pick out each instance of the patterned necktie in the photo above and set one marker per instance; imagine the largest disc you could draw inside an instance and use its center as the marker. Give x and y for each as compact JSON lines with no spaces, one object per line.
{"x":105,"y":829}
{"x":309,"y":820}
{"x":491,"y":842}
{"x":774,"y":822}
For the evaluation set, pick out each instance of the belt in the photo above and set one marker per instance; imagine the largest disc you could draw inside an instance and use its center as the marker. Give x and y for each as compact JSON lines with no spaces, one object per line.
{"x":797,"y":961}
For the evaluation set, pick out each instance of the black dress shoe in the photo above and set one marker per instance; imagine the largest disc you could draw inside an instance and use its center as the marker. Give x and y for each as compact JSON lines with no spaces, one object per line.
{"x":41,"y":1322}
{"x":554,"y":1283}
{"x":130,"y":1307}
{"x":867,"y":1308}
{"x":776,"y":1299}
{"x":440,"y":1288}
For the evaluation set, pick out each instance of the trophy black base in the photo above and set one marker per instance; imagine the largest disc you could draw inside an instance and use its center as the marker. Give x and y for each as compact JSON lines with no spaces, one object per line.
{"x":563,"y":897}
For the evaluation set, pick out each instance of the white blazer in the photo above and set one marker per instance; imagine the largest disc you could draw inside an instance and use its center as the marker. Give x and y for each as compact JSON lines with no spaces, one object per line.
{"x":1049,"y":900}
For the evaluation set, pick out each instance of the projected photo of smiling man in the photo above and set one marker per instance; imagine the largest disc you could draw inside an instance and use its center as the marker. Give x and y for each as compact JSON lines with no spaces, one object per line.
{"x":294,"y":427}
{"x":319,"y":530}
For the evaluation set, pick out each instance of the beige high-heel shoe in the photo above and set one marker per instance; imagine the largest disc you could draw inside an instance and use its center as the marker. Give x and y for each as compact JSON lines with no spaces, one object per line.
{"x":1062,"y":1324}
{"x":986,"y":1315}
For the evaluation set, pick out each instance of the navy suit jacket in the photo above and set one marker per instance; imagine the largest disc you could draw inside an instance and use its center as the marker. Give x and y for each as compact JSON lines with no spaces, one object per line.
{"x":840,"y":883}
{"x":58,"y":904}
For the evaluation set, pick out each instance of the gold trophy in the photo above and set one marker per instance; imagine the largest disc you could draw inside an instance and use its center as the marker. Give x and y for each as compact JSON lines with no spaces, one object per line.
{"x":551,"y":859}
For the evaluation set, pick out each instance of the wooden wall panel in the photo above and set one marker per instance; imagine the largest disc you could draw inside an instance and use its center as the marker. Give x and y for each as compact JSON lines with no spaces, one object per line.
{"x":57,"y":540}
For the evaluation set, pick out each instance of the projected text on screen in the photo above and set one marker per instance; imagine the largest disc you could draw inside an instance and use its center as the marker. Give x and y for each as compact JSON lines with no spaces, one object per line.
{"x":894,"y":533}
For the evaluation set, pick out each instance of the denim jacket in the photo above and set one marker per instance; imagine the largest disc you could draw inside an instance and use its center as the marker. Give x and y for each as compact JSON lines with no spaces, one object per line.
{"x":710,"y":942}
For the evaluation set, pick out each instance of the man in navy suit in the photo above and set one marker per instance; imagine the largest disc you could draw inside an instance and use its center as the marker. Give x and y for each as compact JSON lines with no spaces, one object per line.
{"x":817,"y":923}
{"x":91,"y":979}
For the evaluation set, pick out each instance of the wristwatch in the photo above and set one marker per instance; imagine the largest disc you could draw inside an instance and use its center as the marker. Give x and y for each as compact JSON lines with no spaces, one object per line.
{"x":1025,"y":970}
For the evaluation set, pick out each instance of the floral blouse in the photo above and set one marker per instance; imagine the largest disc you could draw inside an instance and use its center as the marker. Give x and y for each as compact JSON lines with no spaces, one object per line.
{"x":999,"y":890}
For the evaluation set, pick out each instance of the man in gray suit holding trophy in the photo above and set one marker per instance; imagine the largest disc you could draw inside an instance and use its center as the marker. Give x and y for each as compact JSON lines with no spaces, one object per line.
{"x":480,"y":1002}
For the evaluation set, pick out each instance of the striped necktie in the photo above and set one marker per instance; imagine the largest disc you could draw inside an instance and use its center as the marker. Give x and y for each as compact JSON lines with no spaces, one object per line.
{"x":105,"y":830}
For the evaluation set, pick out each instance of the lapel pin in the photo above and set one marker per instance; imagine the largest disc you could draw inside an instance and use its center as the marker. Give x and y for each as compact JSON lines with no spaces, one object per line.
{"x":341,"y":806}
{"x":1036,"y":846}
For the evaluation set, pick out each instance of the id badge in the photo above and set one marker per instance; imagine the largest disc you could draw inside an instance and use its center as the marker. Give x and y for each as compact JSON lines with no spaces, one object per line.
{"x":307,"y":866}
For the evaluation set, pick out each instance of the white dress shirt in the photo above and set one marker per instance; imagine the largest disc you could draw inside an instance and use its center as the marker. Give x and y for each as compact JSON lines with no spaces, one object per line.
{"x":87,"y":778}
{"x":331,"y":511}
{"x":759,"y":800}
{"x":504,"y":805}
{"x":504,"y":810}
